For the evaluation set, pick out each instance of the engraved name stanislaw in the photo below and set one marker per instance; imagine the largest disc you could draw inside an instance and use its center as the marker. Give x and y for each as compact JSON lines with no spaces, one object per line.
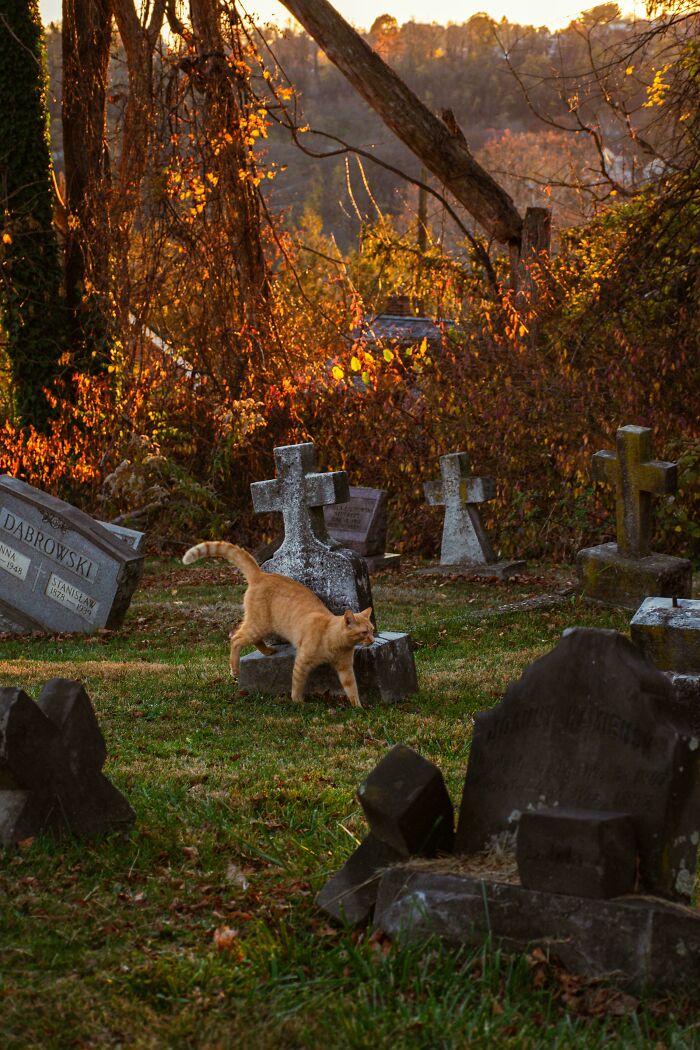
{"x":48,"y":545}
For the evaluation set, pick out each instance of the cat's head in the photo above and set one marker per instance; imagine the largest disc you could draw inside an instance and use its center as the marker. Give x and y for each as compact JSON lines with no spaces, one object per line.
{"x":359,"y":627}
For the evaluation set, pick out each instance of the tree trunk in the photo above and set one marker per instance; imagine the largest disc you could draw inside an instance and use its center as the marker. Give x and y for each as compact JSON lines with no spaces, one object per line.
{"x":87,"y":31}
{"x":445,"y":153}
{"x":32,"y":306}
{"x":225,"y":102}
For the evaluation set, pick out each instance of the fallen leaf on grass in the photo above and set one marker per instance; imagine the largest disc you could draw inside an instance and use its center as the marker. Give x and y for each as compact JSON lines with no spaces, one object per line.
{"x":226,"y":940}
{"x":236,"y":876}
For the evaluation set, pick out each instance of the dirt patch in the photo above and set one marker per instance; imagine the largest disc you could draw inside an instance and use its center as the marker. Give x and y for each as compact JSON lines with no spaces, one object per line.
{"x":81,"y":668}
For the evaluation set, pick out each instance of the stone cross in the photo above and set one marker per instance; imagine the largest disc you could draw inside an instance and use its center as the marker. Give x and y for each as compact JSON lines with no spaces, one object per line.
{"x":51,"y":758}
{"x":636,"y":478}
{"x":298,"y":493}
{"x":464,"y":537}
{"x":338,"y":576}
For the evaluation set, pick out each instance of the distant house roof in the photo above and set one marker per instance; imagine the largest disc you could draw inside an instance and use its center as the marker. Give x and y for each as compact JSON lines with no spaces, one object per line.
{"x":396,"y":324}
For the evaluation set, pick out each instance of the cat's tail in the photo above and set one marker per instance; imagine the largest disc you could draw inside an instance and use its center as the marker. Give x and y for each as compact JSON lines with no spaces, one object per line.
{"x":243,"y":561}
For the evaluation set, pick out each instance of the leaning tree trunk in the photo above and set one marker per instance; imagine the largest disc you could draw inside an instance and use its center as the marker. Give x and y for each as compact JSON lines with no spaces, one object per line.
{"x":87,"y":31}
{"x":32,"y":307}
{"x":443,"y":150}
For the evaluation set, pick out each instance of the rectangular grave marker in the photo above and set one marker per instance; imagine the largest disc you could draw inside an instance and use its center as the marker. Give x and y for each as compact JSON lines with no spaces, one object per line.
{"x":60,"y":570}
{"x":360,"y":524}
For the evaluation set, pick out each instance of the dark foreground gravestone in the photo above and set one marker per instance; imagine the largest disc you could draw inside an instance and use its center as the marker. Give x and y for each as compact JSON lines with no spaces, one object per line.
{"x":640,"y":943}
{"x":51,"y":758}
{"x":591,"y":725}
{"x":466,"y":548}
{"x":409,"y":813}
{"x":385,"y":671}
{"x":60,"y":570}
{"x":360,"y":524}
{"x":589,"y":760}
{"x":626,"y":572}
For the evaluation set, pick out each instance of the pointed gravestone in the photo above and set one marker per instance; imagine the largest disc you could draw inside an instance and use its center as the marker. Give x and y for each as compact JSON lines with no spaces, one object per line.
{"x":384,"y":670}
{"x":60,"y":570}
{"x":626,"y":572}
{"x":466,"y":547}
{"x":592,"y":725}
{"x":51,"y":758}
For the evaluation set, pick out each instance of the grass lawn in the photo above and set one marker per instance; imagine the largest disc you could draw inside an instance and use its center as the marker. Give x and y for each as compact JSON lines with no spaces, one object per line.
{"x":198,"y":927}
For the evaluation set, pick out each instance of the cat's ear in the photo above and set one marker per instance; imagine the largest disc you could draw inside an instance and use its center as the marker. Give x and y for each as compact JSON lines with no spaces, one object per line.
{"x":367,"y":612}
{"x":348,"y":617}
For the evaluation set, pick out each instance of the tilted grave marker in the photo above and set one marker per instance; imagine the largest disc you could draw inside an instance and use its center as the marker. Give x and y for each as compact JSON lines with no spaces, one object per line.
{"x":51,"y":758}
{"x":626,"y":572}
{"x":466,"y":547}
{"x":591,"y":725}
{"x":360,"y":524}
{"x":338,"y":576}
{"x":60,"y":570}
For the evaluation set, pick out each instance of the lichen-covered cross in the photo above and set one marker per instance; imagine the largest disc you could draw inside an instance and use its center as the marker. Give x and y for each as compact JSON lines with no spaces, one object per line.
{"x":464,"y":538}
{"x":636,"y":478}
{"x":299,"y":493}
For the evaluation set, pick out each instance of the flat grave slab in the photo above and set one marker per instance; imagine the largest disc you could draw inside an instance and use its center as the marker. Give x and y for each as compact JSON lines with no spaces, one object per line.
{"x":639,"y":942}
{"x":60,"y":570}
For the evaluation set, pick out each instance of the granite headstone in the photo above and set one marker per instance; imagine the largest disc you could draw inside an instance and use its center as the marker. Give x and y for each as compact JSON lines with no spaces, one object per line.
{"x":466,"y":547}
{"x":668,"y":631}
{"x":626,"y":572}
{"x":60,"y":570}
{"x":360,"y":524}
{"x":591,"y":725}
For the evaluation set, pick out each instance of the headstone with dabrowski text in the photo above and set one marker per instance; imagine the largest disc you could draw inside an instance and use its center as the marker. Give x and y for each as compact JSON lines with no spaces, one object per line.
{"x":60,"y":570}
{"x":628,"y":571}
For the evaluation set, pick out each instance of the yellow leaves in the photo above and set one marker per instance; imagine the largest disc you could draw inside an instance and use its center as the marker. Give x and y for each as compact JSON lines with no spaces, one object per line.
{"x":388,"y":354}
{"x":355,"y":364}
{"x":337,"y":372}
{"x":658,"y":89}
{"x":6,"y":238}
{"x":629,"y":71}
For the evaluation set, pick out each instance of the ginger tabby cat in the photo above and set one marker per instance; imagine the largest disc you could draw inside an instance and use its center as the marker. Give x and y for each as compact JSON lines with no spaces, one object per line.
{"x":274,"y":604}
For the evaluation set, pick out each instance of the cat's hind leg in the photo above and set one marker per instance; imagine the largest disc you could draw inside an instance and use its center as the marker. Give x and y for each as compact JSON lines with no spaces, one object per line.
{"x":346,"y":674}
{"x":239,"y":639}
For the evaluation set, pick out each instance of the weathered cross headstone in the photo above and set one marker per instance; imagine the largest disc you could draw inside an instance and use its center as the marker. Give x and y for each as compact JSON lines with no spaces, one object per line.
{"x":626,"y":572}
{"x":668,"y":631}
{"x":51,"y":758}
{"x":307,"y":554}
{"x":591,"y":725}
{"x":360,"y":524}
{"x":59,"y":569}
{"x":384,"y":670}
{"x":466,"y":547}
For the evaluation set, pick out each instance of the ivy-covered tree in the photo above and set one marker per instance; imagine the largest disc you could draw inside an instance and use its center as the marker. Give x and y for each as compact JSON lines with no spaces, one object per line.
{"x":32,"y":305}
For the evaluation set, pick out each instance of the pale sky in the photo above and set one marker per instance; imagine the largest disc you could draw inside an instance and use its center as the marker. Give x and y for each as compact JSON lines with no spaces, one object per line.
{"x":363,"y":12}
